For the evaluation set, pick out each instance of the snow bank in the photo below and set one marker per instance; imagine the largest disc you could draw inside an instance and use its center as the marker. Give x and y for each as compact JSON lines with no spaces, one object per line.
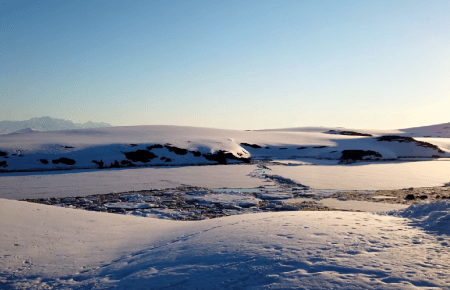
{"x":434,"y":216}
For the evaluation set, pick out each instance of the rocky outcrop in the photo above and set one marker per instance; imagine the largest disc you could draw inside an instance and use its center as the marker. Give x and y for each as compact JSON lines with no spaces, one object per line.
{"x":401,"y":139}
{"x":222,"y":156}
{"x":348,"y":133}
{"x":359,"y":154}
{"x":256,"y":146}
{"x":140,"y":156}
{"x":63,"y":160}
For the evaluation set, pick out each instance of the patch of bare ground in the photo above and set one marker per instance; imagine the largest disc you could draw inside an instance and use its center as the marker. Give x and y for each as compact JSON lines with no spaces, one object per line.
{"x":348,"y":133}
{"x":399,"y":196}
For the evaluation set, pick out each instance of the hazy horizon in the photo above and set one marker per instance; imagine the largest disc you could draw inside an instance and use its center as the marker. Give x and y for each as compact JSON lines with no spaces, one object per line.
{"x":99,"y":122}
{"x":233,"y":65}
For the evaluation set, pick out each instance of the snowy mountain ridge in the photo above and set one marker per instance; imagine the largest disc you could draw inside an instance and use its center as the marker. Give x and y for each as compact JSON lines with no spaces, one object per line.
{"x":47,"y":124}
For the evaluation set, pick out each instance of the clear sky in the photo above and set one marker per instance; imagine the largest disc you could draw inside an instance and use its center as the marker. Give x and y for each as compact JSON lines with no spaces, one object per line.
{"x":227,"y":64}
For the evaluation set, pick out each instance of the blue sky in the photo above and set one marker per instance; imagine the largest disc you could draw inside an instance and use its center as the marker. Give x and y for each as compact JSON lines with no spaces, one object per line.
{"x":227,"y":64}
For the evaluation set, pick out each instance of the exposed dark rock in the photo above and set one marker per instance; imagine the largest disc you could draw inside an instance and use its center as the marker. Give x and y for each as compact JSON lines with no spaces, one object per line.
{"x":222,"y":156}
{"x":267,"y":147}
{"x":358,"y":154}
{"x":317,"y":147}
{"x":44,"y":161}
{"x":163,"y":158}
{"x":196,"y":153}
{"x":435,"y":156}
{"x":176,"y":150}
{"x":401,"y":139}
{"x":154,"y":146}
{"x":3,"y":153}
{"x":3,"y":164}
{"x":283,"y":148}
{"x":115,"y":164}
{"x":348,"y":133}
{"x":251,"y":145}
{"x":68,"y":147}
{"x":423,"y":197}
{"x":63,"y":160}
{"x":410,"y":197}
{"x":126,"y":162}
{"x":140,"y":155}
{"x":99,"y":163}
{"x":133,"y":145}
{"x":301,"y":148}
{"x":168,"y":160}
{"x":117,"y":210}
{"x":333,"y":151}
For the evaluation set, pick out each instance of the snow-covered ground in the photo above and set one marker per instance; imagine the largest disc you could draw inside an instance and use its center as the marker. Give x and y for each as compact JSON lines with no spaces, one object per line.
{"x":50,"y":247}
{"x":172,"y":145}
{"x":45,"y":246}
{"x":439,"y":130}
{"x":367,"y":176}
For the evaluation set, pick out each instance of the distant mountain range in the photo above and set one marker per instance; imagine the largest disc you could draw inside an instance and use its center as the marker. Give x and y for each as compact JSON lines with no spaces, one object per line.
{"x":47,"y":124}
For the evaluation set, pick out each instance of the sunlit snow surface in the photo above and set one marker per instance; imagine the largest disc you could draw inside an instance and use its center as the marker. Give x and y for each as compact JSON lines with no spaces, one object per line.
{"x":49,"y":247}
{"x":302,"y":250}
{"x":368,"y":176}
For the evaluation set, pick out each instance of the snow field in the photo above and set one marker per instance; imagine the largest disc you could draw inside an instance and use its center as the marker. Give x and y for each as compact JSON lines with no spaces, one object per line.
{"x":302,"y":250}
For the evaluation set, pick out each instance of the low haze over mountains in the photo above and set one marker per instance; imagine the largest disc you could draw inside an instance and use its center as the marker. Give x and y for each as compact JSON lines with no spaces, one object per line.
{"x":48,"y":124}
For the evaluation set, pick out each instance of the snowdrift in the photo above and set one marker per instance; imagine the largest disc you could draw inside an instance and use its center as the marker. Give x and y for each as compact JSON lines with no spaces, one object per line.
{"x":434,"y":216}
